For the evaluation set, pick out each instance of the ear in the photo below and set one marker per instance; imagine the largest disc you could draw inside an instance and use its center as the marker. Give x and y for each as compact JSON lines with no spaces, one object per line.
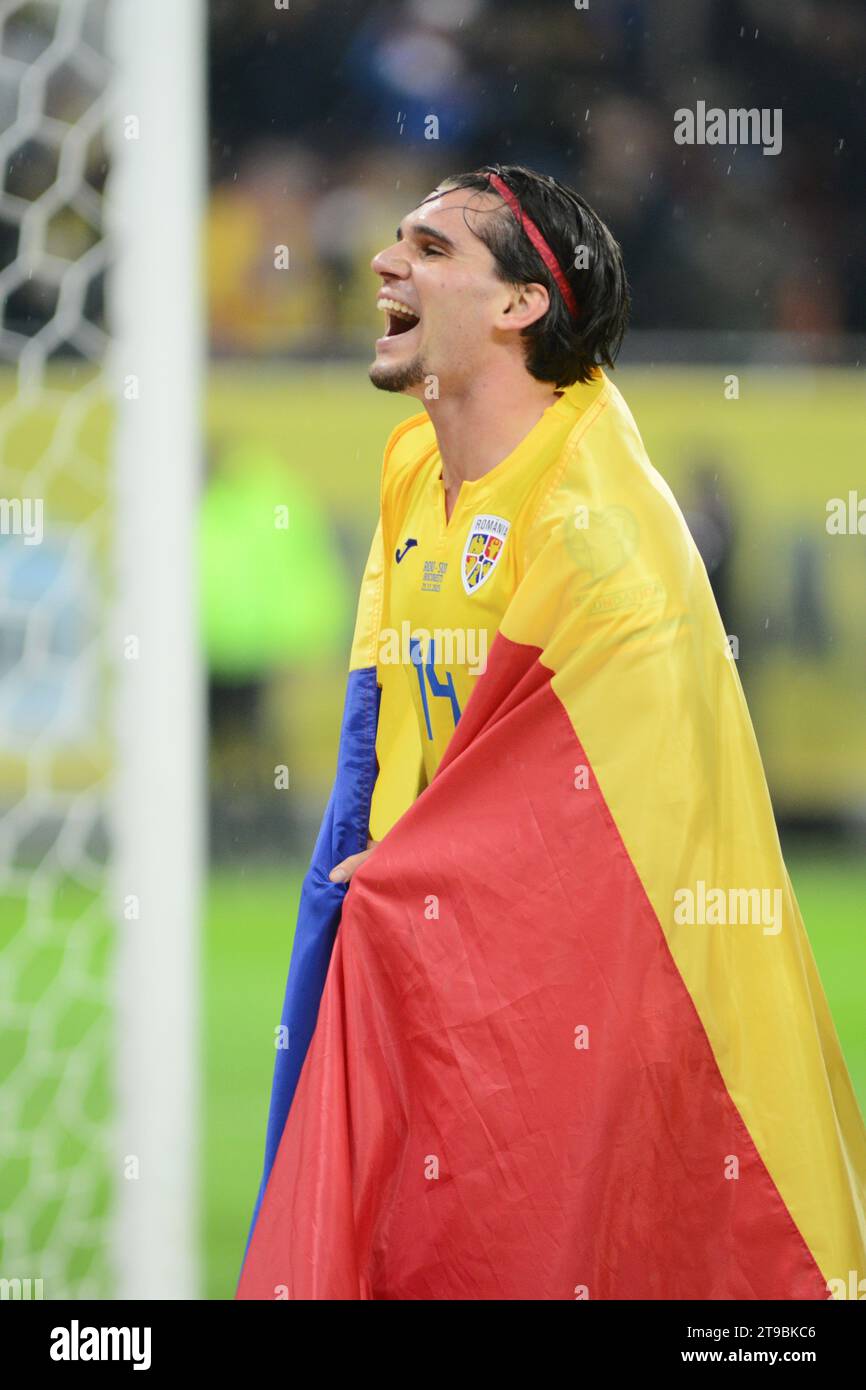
{"x":524,"y":305}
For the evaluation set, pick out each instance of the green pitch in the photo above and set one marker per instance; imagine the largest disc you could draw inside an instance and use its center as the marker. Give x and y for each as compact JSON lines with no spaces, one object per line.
{"x":247,"y":944}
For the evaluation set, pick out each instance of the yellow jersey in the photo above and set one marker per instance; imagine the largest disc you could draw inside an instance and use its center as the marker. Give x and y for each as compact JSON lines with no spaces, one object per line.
{"x":446,"y":584}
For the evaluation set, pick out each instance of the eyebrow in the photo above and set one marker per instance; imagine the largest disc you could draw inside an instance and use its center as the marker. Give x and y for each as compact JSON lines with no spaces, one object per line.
{"x":422,"y":229}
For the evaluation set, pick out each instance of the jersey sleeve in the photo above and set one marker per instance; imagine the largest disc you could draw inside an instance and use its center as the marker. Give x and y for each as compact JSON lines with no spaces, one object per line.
{"x":371,"y":601}
{"x":400,"y":777}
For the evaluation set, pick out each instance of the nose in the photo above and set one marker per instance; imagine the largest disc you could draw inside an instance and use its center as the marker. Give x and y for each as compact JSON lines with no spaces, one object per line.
{"x":390,"y":262}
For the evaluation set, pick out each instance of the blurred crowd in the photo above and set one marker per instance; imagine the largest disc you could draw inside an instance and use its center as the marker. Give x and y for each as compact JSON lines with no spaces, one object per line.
{"x":328,"y":122}
{"x":320,"y":118}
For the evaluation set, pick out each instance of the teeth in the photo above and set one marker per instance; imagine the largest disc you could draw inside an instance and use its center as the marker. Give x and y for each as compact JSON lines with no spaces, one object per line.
{"x":393,"y":306}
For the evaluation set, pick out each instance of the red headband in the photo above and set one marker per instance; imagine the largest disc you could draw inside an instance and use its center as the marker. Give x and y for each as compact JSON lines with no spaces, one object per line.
{"x":538,"y":242}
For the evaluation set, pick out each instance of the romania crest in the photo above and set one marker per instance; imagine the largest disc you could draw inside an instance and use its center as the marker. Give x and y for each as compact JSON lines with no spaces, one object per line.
{"x":482,"y":550}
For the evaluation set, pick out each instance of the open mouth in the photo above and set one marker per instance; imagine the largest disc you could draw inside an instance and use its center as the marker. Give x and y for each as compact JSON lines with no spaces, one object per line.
{"x":398,"y":318}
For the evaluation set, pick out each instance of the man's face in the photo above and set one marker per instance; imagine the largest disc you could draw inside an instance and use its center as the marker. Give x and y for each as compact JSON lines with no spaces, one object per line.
{"x":443,"y":277}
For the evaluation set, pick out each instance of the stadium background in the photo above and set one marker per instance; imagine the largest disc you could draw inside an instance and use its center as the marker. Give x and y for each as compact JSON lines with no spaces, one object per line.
{"x":741,"y":265}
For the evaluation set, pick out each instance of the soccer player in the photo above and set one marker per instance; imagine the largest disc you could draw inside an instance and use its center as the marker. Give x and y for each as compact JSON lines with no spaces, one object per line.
{"x":483,"y":326}
{"x":553,"y":1028}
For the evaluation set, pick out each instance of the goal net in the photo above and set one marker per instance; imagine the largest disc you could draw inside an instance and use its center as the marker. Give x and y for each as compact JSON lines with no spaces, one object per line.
{"x":98,"y":790}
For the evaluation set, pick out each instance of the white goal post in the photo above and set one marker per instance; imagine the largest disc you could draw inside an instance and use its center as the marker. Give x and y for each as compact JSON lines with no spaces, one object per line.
{"x":155,"y":198}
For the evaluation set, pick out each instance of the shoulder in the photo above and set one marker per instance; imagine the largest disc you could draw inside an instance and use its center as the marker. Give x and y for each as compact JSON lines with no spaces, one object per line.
{"x":606,"y":493}
{"x":407,"y":441}
{"x":408,"y":447}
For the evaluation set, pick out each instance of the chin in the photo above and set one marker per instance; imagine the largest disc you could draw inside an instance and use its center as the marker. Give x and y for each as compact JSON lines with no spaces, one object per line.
{"x":398,"y":376}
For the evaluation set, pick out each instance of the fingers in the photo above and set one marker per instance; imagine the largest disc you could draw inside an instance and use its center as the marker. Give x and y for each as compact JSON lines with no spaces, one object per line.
{"x":342,"y":872}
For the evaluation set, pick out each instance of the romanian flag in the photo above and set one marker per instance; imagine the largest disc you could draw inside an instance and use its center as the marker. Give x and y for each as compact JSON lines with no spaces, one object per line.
{"x":563,"y":1035}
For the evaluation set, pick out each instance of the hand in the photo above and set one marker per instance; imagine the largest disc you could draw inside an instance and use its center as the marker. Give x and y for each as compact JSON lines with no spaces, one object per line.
{"x":342,"y":872}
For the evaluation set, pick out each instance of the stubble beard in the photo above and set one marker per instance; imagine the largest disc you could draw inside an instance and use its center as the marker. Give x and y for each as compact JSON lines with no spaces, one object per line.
{"x":400,"y":377}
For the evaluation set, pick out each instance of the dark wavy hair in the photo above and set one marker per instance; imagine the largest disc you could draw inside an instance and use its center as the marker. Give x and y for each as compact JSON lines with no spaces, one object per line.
{"x":559,"y":348}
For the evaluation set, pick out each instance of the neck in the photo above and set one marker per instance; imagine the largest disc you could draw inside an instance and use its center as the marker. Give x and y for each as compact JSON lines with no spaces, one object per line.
{"x":480,"y":426}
